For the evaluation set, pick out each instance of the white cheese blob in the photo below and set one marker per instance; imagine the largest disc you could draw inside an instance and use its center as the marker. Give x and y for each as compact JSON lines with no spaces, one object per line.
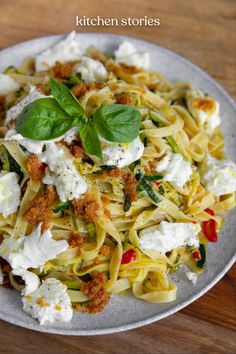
{"x":36,"y":146}
{"x":15,"y":111}
{"x":9,"y":193}
{"x":49,"y":303}
{"x":175,"y":169}
{"x":128,"y":54}
{"x":193,"y":277}
{"x":31,"y":280}
{"x":64,"y":50}
{"x":91,"y":70}
{"x":203,"y":108}
{"x":168,"y":235}
{"x":219,"y":176}
{"x":32,"y":146}
{"x":62,"y":172}
{"x":7,"y":85}
{"x":31,"y":251}
{"x":120,"y":155}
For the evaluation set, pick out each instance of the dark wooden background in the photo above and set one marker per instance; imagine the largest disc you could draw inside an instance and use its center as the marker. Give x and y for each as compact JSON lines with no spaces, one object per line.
{"x":204,"y":32}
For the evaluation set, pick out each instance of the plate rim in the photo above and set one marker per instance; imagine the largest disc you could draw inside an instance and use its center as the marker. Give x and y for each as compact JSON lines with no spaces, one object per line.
{"x":192,"y":298}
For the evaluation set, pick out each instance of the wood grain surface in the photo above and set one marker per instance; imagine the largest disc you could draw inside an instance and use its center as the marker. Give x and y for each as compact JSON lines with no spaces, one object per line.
{"x":204,"y":32}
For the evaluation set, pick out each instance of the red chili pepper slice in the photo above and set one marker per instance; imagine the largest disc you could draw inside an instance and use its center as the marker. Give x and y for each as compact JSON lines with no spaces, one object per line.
{"x":209,"y":227}
{"x":128,"y":257}
{"x":210,"y":211}
{"x":197,"y":255}
{"x":157,"y":184}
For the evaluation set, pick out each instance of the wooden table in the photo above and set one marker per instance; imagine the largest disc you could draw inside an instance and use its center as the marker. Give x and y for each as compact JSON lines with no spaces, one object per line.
{"x":204,"y":32}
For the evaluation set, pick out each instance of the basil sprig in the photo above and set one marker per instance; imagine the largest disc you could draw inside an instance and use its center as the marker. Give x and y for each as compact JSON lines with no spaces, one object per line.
{"x":51,"y":117}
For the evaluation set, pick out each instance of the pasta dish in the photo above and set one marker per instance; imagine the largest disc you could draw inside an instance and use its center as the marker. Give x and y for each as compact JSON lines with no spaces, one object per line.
{"x":111,"y":179}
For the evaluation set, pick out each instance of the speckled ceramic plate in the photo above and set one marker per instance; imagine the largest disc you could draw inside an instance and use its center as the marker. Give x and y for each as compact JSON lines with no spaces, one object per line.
{"x":126,"y":312}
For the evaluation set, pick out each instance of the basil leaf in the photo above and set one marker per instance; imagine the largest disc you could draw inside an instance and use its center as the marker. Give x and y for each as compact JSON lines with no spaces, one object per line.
{"x":117,"y":122}
{"x":43,"y":119}
{"x":66,"y":99}
{"x":90,"y":140}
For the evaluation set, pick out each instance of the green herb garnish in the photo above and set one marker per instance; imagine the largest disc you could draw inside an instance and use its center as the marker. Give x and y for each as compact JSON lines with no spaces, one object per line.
{"x":157,"y":122}
{"x":76,"y":79}
{"x":61,"y":206}
{"x":117,"y":122}
{"x":171,"y":141}
{"x":153,"y":178}
{"x":152,"y":195}
{"x":90,"y":227}
{"x":161,"y":190}
{"x":127,"y":203}
{"x":81,"y":264}
{"x":66,"y":99}
{"x":145,"y":141}
{"x":89,"y":139}
{"x":51,"y":117}
{"x":202,"y":251}
{"x":72,"y":284}
{"x":44,"y":119}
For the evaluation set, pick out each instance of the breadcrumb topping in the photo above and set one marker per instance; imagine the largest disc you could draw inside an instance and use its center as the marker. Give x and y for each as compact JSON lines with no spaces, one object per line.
{"x":96,"y":292}
{"x":62,"y":71}
{"x":76,"y":240}
{"x":35,"y":168}
{"x":87,"y":206}
{"x":39,"y":211}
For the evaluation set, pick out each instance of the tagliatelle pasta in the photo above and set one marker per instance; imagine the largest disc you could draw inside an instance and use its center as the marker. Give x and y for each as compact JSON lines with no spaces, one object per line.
{"x":104,"y":225}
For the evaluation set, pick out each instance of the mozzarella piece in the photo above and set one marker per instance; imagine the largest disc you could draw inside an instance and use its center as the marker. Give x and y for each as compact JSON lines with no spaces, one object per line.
{"x":62,"y":173}
{"x":36,"y":146}
{"x":219,"y":176}
{"x":7,"y":85}
{"x":120,"y":155}
{"x":193,"y":277}
{"x":33,"y":146}
{"x":64,"y":50}
{"x":175,"y":169}
{"x":31,"y":280}
{"x":128,"y":54}
{"x":167,"y":236}
{"x":203,"y":108}
{"x":15,"y":111}
{"x":91,"y":70}
{"x":49,"y":303}
{"x":31,"y":251}
{"x":9,"y":193}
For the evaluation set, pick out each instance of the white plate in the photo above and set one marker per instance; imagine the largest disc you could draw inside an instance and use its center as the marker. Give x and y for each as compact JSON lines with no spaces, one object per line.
{"x":126,"y":312}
